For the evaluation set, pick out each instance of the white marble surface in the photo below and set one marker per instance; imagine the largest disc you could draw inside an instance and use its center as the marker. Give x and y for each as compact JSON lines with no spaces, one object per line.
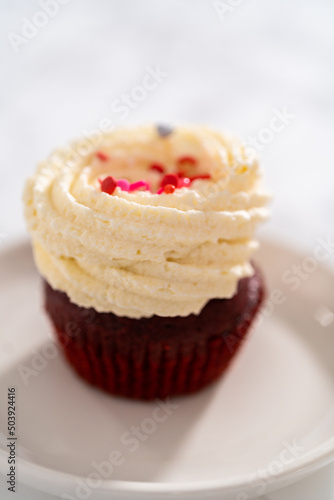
{"x":231,"y":70}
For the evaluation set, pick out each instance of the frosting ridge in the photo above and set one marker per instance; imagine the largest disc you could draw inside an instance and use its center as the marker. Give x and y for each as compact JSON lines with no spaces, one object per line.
{"x":140,"y":253}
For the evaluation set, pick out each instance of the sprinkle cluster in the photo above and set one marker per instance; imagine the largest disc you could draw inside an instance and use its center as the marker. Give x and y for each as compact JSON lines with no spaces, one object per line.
{"x":168,"y":181}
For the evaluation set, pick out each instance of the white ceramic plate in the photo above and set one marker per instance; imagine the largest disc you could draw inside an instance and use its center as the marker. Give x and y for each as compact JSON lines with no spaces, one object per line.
{"x":267,"y":423}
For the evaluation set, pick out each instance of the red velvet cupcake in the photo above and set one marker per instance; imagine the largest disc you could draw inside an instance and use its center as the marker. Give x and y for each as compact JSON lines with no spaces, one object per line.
{"x":144,"y":244}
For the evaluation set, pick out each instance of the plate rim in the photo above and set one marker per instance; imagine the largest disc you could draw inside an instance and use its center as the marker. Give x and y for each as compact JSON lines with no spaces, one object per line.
{"x":315,"y":459}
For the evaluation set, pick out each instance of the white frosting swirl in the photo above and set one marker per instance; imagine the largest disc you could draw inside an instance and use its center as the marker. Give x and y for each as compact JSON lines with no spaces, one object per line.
{"x":138,"y":254}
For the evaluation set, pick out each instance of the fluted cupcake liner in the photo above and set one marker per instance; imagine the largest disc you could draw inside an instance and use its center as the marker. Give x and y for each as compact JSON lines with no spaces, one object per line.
{"x":154,"y":357}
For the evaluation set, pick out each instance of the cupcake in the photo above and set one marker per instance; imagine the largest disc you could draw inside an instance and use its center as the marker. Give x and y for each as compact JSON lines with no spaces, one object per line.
{"x":145,"y":243}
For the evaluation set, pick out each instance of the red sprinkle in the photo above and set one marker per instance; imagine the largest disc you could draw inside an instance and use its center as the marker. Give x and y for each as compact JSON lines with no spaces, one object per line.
{"x":186,"y":159}
{"x":184,"y":182}
{"x":172,"y":179}
{"x":109,"y":184}
{"x":139,"y":184}
{"x":123,"y":184}
{"x":102,"y":156}
{"x":169,"y":188}
{"x":158,"y":167}
{"x":203,"y":176}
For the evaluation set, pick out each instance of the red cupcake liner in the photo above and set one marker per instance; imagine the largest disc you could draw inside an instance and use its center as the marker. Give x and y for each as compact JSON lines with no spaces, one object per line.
{"x":154,"y":357}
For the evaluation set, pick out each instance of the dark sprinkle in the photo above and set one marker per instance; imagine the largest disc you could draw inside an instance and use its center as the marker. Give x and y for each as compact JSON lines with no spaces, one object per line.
{"x":164,"y":130}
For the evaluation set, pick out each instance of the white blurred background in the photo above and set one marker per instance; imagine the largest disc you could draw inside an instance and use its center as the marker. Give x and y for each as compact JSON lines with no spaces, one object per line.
{"x":230,"y":64}
{"x":68,"y":65}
